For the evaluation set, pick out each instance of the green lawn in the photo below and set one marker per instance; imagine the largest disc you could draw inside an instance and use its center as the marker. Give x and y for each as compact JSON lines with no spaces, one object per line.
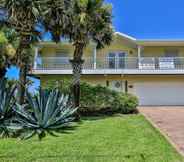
{"x":111,"y":139}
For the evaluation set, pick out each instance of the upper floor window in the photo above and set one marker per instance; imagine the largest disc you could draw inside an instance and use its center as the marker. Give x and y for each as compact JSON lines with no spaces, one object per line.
{"x":117,"y":60}
{"x":171,"y":53}
{"x":62,"y":53}
{"x":62,"y":56}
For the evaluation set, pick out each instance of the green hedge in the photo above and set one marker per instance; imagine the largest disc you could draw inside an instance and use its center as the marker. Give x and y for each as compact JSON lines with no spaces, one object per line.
{"x":99,"y":99}
{"x":103,"y":100}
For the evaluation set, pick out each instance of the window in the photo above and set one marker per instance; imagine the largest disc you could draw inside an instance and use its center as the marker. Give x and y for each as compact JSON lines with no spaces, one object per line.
{"x":117,"y":60}
{"x":112,"y":60}
{"x":62,"y":53}
{"x":169,"y":61}
{"x":121,"y":60}
{"x":171,"y":53}
{"x":62,"y":56}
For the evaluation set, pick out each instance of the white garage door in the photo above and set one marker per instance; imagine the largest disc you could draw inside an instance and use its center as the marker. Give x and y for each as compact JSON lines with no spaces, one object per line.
{"x":160,"y":93}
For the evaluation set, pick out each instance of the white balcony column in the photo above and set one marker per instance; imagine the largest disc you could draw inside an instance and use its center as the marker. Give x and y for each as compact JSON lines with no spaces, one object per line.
{"x":139,"y":54}
{"x":94,"y":57}
{"x":139,"y":51}
{"x":35,"y":57}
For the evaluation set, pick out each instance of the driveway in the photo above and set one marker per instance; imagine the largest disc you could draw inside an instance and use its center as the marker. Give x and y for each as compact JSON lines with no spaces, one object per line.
{"x":170,"y":120}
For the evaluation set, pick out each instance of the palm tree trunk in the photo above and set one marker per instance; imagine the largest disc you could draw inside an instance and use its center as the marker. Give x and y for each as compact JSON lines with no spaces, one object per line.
{"x":22,"y":84}
{"x":2,"y":73}
{"x":77,"y":69}
{"x":77,"y":63}
{"x":23,"y":65}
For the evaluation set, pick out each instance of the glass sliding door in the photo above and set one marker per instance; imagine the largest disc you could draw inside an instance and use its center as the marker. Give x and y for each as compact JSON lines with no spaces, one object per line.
{"x":121,"y":60}
{"x":112,"y":60}
{"x":117,"y":60}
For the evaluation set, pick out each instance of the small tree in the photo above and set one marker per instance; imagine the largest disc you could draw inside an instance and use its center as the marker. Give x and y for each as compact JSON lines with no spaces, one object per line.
{"x":3,"y":56}
{"x":7,"y":50}
{"x":22,"y":16}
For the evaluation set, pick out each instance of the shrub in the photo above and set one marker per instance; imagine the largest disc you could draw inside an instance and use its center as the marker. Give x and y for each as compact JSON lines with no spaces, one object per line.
{"x":95,"y":98}
{"x":98,"y":99}
{"x":127,"y":103}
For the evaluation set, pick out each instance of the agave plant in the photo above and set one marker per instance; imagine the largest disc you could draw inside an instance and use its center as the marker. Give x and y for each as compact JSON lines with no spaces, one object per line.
{"x":46,"y":113}
{"x":7,"y":102}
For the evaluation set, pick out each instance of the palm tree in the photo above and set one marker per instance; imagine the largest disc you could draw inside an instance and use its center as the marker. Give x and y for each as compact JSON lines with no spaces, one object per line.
{"x":91,"y":21}
{"x":22,"y":16}
{"x":81,"y":21}
{"x":57,"y":17}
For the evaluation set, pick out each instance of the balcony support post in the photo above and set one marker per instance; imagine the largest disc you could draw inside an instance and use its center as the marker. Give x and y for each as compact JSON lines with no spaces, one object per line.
{"x":35,"y":57}
{"x":139,"y":51}
{"x":94,"y":57}
{"x":139,"y":54}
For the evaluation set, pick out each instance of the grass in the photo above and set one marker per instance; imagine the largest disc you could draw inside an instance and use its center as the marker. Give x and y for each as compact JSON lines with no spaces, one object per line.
{"x":112,"y":139}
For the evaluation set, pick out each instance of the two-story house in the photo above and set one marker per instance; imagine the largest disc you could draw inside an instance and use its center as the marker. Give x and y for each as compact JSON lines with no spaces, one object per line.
{"x":151,"y":69}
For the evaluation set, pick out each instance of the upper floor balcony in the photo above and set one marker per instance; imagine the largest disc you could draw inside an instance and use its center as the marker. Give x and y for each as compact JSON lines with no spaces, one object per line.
{"x":111,"y":65}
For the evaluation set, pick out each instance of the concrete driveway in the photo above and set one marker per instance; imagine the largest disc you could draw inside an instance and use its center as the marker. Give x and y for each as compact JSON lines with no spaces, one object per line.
{"x":170,"y":120}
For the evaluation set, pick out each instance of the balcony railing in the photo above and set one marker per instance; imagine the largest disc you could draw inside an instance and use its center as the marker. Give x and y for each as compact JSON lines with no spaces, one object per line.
{"x":143,"y":63}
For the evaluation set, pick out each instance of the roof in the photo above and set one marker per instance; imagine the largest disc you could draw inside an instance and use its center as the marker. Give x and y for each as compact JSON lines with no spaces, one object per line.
{"x":144,"y":42}
{"x":161,"y":42}
{"x":125,"y":36}
{"x":153,"y":42}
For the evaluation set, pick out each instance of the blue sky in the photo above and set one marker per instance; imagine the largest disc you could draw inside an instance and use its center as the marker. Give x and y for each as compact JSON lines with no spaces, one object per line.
{"x":149,"y":18}
{"x":144,"y":19}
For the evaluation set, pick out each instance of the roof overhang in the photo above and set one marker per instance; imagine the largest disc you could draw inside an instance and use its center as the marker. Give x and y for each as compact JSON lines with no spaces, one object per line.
{"x":160,"y":42}
{"x":125,"y":36}
{"x":151,"y":42}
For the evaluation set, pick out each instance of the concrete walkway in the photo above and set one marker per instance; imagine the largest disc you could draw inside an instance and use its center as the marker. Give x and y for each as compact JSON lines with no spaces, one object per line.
{"x":170,"y":120}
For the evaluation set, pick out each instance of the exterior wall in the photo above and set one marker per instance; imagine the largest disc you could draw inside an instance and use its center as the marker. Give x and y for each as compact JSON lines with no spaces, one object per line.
{"x":132,"y":79}
{"x":92,"y":79}
{"x":47,"y":52}
{"x":160,"y":51}
{"x":50,"y":50}
{"x":118,"y":45}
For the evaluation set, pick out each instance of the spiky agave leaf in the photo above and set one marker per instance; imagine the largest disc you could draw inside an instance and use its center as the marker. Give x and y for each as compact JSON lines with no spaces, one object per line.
{"x":48,"y":112}
{"x":7,"y":102}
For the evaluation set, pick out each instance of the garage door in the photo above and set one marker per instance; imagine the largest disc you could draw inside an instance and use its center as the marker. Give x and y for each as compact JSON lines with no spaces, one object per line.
{"x":160,"y":93}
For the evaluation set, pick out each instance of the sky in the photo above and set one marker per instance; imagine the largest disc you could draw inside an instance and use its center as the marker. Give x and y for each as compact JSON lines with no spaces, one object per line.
{"x":149,"y":18}
{"x":143,"y":19}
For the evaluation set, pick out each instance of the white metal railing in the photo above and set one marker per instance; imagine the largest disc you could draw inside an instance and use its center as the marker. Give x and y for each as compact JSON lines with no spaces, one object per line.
{"x":143,"y":63}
